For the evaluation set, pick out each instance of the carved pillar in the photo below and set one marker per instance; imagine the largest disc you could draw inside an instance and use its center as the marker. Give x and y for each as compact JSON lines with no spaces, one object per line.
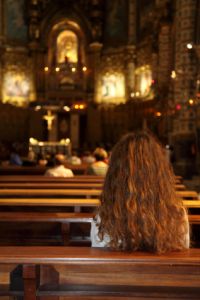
{"x":35,"y":49}
{"x":96,"y":46}
{"x":183,"y":133}
{"x":74,"y":130}
{"x":197,"y":48}
{"x":95,"y":52}
{"x":130,"y":49}
{"x":2,"y":38}
{"x":132,"y":22}
{"x":130,"y":70}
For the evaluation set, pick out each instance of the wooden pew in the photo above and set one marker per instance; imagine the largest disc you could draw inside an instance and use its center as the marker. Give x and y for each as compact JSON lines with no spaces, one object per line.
{"x":50,"y":193}
{"x":38,"y":170}
{"x":180,"y":187}
{"x":89,"y":273}
{"x":194,"y":219}
{"x":66,"y":219}
{"x":61,"y":185}
{"x":73,"y":192}
{"x":45,"y":179}
{"x":51,"y":185}
{"x":48,"y":202}
{"x":187,"y":194}
{"x":191,"y":203}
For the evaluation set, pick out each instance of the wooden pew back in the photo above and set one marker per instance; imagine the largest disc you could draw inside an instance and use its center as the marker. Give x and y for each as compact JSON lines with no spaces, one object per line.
{"x":88,"y":273}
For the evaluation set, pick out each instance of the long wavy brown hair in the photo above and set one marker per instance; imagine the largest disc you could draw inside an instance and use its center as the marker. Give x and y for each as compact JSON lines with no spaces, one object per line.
{"x":140,"y":210}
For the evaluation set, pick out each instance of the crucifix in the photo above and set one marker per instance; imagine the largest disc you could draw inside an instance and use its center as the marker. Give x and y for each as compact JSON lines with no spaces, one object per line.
{"x":49,"y":118}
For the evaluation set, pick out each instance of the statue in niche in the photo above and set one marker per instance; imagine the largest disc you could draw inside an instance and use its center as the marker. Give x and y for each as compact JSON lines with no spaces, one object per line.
{"x":67,"y":47}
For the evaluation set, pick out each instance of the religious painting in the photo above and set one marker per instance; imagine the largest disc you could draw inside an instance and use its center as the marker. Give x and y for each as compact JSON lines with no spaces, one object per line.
{"x":116,"y":28}
{"x":144,"y":83}
{"x":16,"y":29}
{"x":112,"y":88}
{"x":67,"y":47}
{"x":17,"y":88}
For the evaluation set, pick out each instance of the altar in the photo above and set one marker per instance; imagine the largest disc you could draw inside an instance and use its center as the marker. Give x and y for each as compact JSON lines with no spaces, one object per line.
{"x":43,"y":147}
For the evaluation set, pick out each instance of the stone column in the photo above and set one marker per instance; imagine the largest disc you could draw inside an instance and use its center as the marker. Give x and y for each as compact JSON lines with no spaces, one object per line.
{"x":74,"y":130}
{"x":197,"y":100}
{"x":130,"y":71}
{"x":183,"y":132}
{"x":37,"y":53}
{"x":95,"y":52}
{"x":2,"y":39}
{"x":130,"y":50}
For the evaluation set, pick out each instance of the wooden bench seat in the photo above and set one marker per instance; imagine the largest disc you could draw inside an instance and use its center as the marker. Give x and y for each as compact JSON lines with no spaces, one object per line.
{"x":89,"y":273}
{"x":52,"y":185}
{"x":66,"y":217}
{"x":49,"y":202}
{"x":194,"y":219}
{"x":180,"y":187}
{"x":30,"y":178}
{"x":187,"y":194}
{"x":69,"y":202}
{"x":85,"y":192}
{"x":49,"y":193}
{"x":38,"y":170}
{"x":61,"y":185}
{"x":191,"y":203}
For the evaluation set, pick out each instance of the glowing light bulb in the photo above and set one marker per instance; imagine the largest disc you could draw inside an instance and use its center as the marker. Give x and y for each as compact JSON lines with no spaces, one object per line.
{"x":158,"y":114}
{"x":189,"y":46}
{"x":191,"y":101}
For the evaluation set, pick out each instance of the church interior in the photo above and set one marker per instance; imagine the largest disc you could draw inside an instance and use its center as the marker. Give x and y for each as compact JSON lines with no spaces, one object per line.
{"x":90,"y":71}
{"x":76,"y":75}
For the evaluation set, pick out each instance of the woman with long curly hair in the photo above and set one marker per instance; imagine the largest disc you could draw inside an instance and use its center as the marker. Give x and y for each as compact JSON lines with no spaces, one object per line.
{"x":139,"y":208}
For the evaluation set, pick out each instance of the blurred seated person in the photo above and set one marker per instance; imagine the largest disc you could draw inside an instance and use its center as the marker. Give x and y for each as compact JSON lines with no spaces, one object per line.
{"x":30,"y":160}
{"x":74,"y":159}
{"x":59,"y":169}
{"x":41,"y":160}
{"x":99,"y":167}
{"x":15,"y":158}
{"x":88,"y":158}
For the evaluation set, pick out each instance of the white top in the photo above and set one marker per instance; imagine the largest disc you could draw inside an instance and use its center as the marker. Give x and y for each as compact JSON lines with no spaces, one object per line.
{"x":98,"y":168}
{"x":74,"y":160}
{"x":59,"y":171}
{"x":95,"y":241}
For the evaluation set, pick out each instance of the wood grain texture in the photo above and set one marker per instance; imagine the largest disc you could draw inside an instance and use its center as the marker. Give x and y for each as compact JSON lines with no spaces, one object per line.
{"x":91,"y":273}
{"x":49,"y":192}
{"x":46,"y":217}
{"x":60,"y":255}
{"x":49,"y":202}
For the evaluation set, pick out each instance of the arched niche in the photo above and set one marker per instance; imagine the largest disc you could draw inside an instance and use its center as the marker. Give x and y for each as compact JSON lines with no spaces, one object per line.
{"x":65,"y":64}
